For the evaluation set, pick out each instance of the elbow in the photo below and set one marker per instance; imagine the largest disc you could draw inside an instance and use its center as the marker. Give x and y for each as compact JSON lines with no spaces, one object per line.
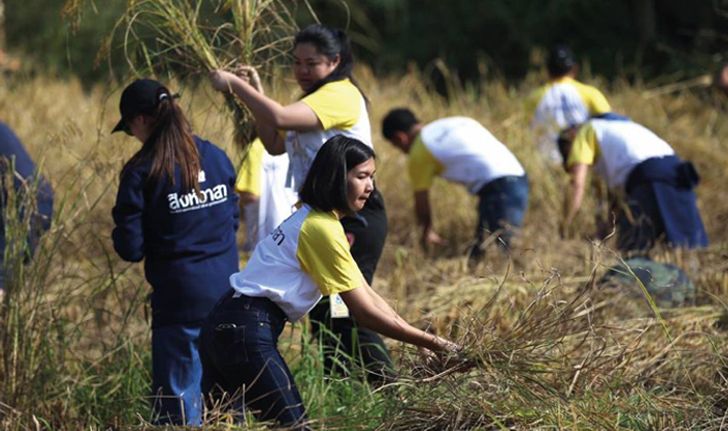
{"x":276,"y":147}
{"x":276,"y":121}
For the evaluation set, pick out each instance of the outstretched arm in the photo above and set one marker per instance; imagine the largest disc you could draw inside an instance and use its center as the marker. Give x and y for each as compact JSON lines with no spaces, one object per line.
{"x":373,"y":312}
{"x":269,"y":114}
{"x":575,"y":196}
{"x":423,"y":213}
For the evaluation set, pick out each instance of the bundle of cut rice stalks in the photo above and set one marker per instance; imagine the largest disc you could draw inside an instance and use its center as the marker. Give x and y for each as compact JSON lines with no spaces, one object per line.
{"x":185,"y":39}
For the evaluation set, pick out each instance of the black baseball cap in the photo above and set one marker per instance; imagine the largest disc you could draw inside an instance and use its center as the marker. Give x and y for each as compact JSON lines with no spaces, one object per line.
{"x":560,"y":60}
{"x":140,"y":97}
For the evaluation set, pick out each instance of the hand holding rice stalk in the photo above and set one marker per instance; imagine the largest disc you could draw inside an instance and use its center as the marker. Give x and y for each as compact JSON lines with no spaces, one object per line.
{"x":185,"y":38}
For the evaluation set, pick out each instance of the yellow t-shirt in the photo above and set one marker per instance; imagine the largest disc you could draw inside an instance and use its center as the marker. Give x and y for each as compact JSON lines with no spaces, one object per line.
{"x":306,"y":256}
{"x":324,"y":254}
{"x":461,"y":150}
{"x":585,"y":148}
{"x":422,"y":166}
{"x":336,"y":104}
{"x":615,"y":147}
{"x":250,"y":170}
{"x":341,"y":109}
{"x":591,"y":98}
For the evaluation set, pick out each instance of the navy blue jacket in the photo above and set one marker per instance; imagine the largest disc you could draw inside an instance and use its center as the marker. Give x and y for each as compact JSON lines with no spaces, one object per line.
{"x":11,"y":147}
{"x":188,"y":242}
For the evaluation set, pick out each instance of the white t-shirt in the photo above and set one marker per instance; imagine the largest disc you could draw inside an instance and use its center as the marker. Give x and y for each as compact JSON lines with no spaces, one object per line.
{"x":615,"y":147}
{"x":558,"y":104}
{"x":306,"y":256}
{"x":460,"y":150}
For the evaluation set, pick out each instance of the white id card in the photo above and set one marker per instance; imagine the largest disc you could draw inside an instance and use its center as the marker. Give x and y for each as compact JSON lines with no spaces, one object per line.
{"x":337,"y":307}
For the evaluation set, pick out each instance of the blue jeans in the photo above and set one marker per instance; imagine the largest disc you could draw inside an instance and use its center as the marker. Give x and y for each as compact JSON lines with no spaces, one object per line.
{"x":242,"y":367}
{"x":176,"y":375}
{"x":501,"y":208}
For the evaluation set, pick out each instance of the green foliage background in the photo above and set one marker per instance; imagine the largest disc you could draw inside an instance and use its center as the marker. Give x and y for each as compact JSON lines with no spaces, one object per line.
{"x":634,"y":39}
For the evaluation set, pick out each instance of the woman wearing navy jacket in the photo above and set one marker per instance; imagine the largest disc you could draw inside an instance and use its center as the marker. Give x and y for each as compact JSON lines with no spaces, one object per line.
{"x":176,"y":208}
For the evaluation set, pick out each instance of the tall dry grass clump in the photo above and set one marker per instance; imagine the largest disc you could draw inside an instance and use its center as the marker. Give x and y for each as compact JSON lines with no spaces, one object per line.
{"x":185,"y":39}
{"x":72,"y":316}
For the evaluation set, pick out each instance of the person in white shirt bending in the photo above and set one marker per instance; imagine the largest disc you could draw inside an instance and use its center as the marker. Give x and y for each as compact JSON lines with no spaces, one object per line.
{"x":463,"y":151}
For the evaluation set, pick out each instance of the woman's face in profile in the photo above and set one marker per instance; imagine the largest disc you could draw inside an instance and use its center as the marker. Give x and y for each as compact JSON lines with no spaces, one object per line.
{"x":360,"y":184}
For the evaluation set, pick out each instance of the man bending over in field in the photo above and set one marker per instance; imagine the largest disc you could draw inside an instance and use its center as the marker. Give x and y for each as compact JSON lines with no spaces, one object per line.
{"x":461,"y":150}
{"x":637,"y":165}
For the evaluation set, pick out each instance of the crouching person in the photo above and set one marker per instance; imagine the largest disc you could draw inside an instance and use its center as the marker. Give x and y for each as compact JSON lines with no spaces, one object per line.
{"x":656,"y":185}
{"x":306,"y":257}
{"x":461,"y":150}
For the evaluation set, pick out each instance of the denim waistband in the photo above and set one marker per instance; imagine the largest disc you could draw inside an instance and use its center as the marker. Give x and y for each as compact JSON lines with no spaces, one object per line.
{"x":235,"y":300}
{"x":668,"y":169}
{"x":490,"y":185}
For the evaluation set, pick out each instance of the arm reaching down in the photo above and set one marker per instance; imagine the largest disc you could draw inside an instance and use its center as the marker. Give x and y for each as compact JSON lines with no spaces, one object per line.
{"x":575,"y":195}
{"x":423,"y":214}
{"x":373,"y":312}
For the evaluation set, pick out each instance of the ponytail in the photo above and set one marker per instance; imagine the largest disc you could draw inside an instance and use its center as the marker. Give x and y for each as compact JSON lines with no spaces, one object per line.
{"x":171,"y":143}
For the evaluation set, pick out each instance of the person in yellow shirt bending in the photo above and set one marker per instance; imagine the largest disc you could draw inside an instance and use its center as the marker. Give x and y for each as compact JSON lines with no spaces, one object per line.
{"x":306,"y":257}
{"x":463,"y":151}
{"x":561,"y":102}
{"x":656,"y":186}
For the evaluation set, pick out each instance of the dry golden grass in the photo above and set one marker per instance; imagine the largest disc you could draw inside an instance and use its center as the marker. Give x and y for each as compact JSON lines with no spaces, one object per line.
{"x":551,"y":349}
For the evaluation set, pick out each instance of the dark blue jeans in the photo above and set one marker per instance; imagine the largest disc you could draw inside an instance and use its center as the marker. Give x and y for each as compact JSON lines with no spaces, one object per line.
{"x":241,"y":363}
{"x":501,"y":209}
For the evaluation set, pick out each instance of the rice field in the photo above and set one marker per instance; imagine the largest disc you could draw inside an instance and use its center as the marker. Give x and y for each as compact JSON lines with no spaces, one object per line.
{"x":550,"y":348}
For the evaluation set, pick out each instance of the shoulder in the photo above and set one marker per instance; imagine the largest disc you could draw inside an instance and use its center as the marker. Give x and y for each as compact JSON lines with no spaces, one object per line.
{"x":586,"y":89}
{"x":209,"y":150}
{"x":320,"y":224}
{"x":135,"y":171}
{"x":204,"y":146}
{"x":335,"y":91}
{"x":5,"y":129}
{"x":9,"y":141}
{"x":342,"y":86}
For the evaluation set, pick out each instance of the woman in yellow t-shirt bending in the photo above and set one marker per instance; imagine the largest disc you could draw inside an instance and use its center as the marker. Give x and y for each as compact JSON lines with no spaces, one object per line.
{"x":306,"y":257}
{"x":331,"y":105}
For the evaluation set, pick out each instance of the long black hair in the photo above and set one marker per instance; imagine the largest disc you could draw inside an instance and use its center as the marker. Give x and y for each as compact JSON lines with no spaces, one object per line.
{"x":325,"y":187}
{"x":330,"y":42}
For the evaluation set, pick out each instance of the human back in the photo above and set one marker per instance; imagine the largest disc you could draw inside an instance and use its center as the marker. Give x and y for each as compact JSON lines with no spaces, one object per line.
{"x":468,"y":152}
{"x":175,"y":206}
{"x":620,"y":145}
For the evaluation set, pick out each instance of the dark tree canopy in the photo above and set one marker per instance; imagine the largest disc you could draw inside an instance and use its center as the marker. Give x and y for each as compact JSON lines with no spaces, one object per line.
{"x":636,"y":39}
